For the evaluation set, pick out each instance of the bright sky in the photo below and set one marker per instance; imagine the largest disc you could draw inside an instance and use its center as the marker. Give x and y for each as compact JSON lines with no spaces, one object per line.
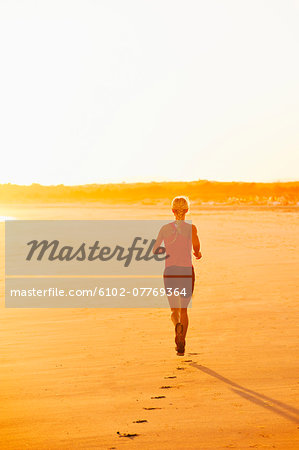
{"x":96,"y":91}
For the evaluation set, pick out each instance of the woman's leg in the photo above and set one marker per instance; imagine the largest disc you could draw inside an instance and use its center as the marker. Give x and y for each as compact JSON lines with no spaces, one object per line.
{"x":175,"y":315}
{"x":185,"y":303}
{"x":175,"y":305}
{"x":184,"y":320}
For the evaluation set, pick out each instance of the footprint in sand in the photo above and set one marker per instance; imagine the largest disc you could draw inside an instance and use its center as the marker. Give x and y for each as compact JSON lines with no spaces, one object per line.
{"x":150,"y":409}
{"x":159,"y":396}
{"x":127,"y":435}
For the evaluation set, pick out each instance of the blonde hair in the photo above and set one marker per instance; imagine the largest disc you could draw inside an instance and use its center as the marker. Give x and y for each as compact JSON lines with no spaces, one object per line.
{"x":180,"y":205}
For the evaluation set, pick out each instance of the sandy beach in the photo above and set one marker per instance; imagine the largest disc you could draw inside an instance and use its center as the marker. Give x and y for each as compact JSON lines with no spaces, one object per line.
{"x":83,"y":378}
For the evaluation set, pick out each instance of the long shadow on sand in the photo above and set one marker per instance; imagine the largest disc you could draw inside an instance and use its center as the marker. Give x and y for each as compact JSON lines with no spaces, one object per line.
{"x":287,"y":411}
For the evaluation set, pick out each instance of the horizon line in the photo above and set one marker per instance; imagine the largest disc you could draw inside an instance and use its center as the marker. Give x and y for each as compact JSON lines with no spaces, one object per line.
{"x":150,"y":182}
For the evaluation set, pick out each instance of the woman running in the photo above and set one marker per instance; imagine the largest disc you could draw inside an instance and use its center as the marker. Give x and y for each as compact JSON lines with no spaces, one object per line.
{"x":179,"y":237}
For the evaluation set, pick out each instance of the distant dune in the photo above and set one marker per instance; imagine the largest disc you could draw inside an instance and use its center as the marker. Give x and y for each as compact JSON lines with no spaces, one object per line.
{"x":199,"y":192}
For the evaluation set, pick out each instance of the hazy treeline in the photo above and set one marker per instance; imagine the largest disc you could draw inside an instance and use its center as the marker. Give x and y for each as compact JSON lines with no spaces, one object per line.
{"x":201,"y":191}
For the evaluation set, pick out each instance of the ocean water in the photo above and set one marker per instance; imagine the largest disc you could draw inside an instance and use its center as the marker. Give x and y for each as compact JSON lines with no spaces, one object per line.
{"x":4,"y":218}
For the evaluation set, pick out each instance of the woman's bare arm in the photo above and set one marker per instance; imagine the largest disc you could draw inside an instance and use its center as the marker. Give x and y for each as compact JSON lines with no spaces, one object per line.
{"x":159,"y":240}
{"x":196,"y":243}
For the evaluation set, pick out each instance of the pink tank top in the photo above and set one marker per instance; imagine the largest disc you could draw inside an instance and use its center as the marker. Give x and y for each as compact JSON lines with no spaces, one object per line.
{"x":178,"y":244}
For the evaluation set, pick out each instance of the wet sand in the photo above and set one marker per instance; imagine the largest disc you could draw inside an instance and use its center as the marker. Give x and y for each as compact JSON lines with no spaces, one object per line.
{"x":83,"y":378}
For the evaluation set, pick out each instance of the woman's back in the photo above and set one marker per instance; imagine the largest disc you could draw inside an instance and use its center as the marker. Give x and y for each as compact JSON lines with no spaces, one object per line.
{"x":178,"y":243}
